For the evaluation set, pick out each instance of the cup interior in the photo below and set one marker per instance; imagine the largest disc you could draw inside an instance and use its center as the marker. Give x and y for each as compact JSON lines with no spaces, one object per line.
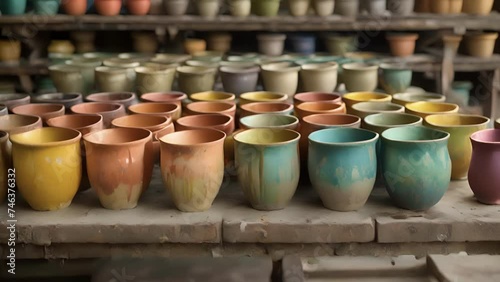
{"x":392,"y":119}
{"x":414,"y":133}
{"x":455,"y":120}
{"x":193,"y":137}
{"x":43,"y":136}
{"x":342,"y":135}
{"x":266,"y":136}
{"x":268,"y":120}
{"x":115,"y":136}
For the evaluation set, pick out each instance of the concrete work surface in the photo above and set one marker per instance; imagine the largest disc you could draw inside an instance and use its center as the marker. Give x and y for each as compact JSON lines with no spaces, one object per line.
{"x":232,"y":227}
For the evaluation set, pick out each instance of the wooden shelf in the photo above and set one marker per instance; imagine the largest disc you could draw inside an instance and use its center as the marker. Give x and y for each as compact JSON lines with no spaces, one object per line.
{"x":284,"y":22}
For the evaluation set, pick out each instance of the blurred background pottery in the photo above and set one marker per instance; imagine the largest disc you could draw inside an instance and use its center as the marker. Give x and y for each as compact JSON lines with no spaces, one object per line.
{"x":319,"y":77}
{"x":478,"y":44}
{"x":195,"y":79}
{"x":46,"y":7}
{"x":339,"y":45}
{"x":13,"y":7}
{"x":298,"y":8}
{"x":10,"y":50}
{"x":159,"y":79}
{"x":402,"y":45}
{"x":395,"y":79}
{"x":193,"y":45}
{"x":360,"y":77}
{"x":373,"y":7}
{"x":61,"y":47}
{"x":348,"y":8}
{"x":67,"y":78}
{"x":240,"y":8}
{"x":271,"y":44}
{"x":219,"y":42}
{"x":108,"y":7}
{"x":304,"y":44}
{"x":323,"y":8}
{"x":239,"y":80}
{"x":477,"y":7}
{"x":74,"y":7}
{"x":176,"y":7}
{"x":208,"y":8}
{"x":138,"y":7}
{"x":87,"y":69}
{"x":265,"y":8}
{"x":114,"y":79}
{"x":145,"y":42}
{"x":401,"y":7}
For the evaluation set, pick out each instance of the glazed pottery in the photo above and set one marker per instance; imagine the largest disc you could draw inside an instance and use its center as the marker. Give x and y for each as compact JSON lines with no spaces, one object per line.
{"x":280,"y":77}
{"x":74,"y":7}
{"x":351,"y":154}
{"x":423,"y":6}
{"x":209,"y":96}
{"x":460,"y":127}
{"x":271,"y":44}
{"x":5,"y":164}
{"x":373,"y":7}
{"x":149,"y":79}
{"x":480,"y":45}
{"x":211,"y":107}
{"x":319,"y":77}
{"x":298,"y":8}
{"x":424,"y":109}
{"x":165,"y":97}
{"x":254,"y":108}
{"x":13,"y":100}
{"x":329,"y":97}
{"x":461,"y":90}
{"x":265,"y":8}
{"x":401,"y":7}
{"x":220,"y":42}
{"x":224,"y":123}
{"x":416,"y":166}
{"x":312,"y":123}
{"x":108,"y":7}
{"x":150,"y":122}
{"x":87,"y":69}
{"x":477,"y":7}
{"x":14,"y":124}
{"x":61,"y":47}
{"x":309,"y":108}
{"x":192,"y":167}
{"x":171,"y":110}
{"x":176,"y":7}
{"x":259,"y":157}
{"x":360,"y":77}
{"x":240,"y":8}
{"x":46,"y":7}
{"x":348,"y":8}
{"x":262,"y":96}
{"x":339,"y":45}
{"x":195,"y":79}
{"x":119,"y":165}
{"x":239,"y":79}
{"x":383,"y":121}
{"x":48,"y":166}
{"x":402,"y":45}
{"x":395,"y":79}
{"x":271,"y":121}
{"x":483,"y":171}
{"x":365,"y":109}
{"x":138,"y":7}
{"x":303,"y":44}
{"x":446,"y":6}
{"x":323,"y":8}
{"x":114,"y":79}
{"x":208,"y":8}
{"x":193,"y":45}
{"x":156,"y":7}
{"x":45,"y":111}
{"x":10,"y":50}
{"x":67,"y":78}
{"x":127,"y":99}
{"x":12,"y":7}
{"x":109,"y":111}
{"x":145,"y":42}
{"x":407,"y":98}
{"x":357,"y":97}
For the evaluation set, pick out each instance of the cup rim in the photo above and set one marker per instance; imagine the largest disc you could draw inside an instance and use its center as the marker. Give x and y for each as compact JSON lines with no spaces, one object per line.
{"x":474,"y":136}
{"x":246,"y":131}
{"x":428,"y":120}
{"x":50,"y":121}
{"x":164,"y":138}
{"x":293,"y":120}
{"x":76,"y":138}
{"x":88,"y":136}
{"x":373,"y":139}
{"x":356,"y":119}
{"x":411,"y":107}
{"x":418,"y":127}
{"x":367,"y":120}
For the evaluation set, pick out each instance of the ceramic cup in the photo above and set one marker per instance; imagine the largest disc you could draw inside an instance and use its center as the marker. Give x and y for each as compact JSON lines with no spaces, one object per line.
{"x":310,"y":108}
{"x":45,"y":111}
{"x":165,"y":97}
{"x":357,"y":97}
{"x":13,"y":100}
{"x":216,"y":107}
{"x":320,"y":77}
{"x":424,"y":109}
{"x":365,"y":109}
{"x":216,"y":121}
{"x":108,"y":111}
{"x":259,"y":156}
{"x":316,"y":97}
{"x":119,"y":165}
{"x":212,"y":96}
{"x":192,"y":167}
{"x":48,"y":166}
{"x":265,"y":108}
{"x":239,"y":80}
{"x":360,"y":76}
{"x":416,"y":166}
{"x":280,"y":77}
{"x":460,"y":127}
{"x":195,"y":79}
{"x":351,"y":154}
{"x":406,"y":98}
{"x":262,"y":96}
{"x":169,"y":110}
{"x":127,"y":99}
{"x":272,"y":121}
{"x":395,"y":78}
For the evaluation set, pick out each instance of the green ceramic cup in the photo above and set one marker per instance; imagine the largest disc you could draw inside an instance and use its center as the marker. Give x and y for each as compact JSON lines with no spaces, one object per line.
{"x":395,"y":79}
{"x":268,"y":168}
{"x":342,"y":165}
{"x":265,"y":8}
{"x":416,"y":166}
{"x":13,"y":7}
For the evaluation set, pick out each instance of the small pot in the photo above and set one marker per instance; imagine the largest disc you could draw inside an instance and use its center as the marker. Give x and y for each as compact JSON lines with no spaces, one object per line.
{"x":319,"y":77}
{"x":13,"y":100}
{"x":240,"y":8}
{"x":395,"y":79}
{"x":84,"y":41}
{"x":156,"y":7}
{"x":265,"y":8}
{"x":224,"y":123}
{"x":360,"y":77}
{"x":46,"y":7}
{"x":196,"y":79}
{"x":262,"y":96}
{"x":405,"y":98}
{"x":402,"y":45}
{"x":373,"y":7}
{"x":311,"y":108}
{"x":280,"y":77}
{"x":127,"y":99}
{"x":302,"y":44}
{"x":87,"y":70}
{"x":112,"y":79}
{"x":452,"y":42}
{"x":220,"y":42}
{"x":193,"y":45}
{"x":14,"y":124}
{"x":239,"y":80}
{"x":176,"y":7}
{"x":423,"y":6}
{"x":424,"y":109}
{"x":348,"y":8}
{"x":254,"y":108}
{"x":61,"y":47}
{"x":446,"y":6}
{"x":340,"y":45}
{"x":108,"y":111}
{"x":298,"y":8}
{"x":169,"y":110}
{"x":271,"y":44}
{"x":108,"y":7}
{"x":45,"y":111}
{"x":149,"y":79}
{"x":67,"y":79}
{"x":212,"y":107}
{"x":138,"y":7}
{"x":165,"y":97}
{"x":208,"y":8}
{"x":145,"y":42}
{"x":10,"y":50}
{"x":480,"y":45}
{"x":401,"y":7}
{"x":477,"y":7}
{"x":74,"y":7}
{"x":13,"y":7}
{"x":323,"y":8}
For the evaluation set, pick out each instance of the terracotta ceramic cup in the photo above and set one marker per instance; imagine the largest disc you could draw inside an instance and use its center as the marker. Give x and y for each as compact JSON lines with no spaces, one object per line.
{"x":192,"y":167}
{"x":272,"y":121}
{"x":225,"y":108}
{"x":220,"y":122}
{"x":254,"y":108}
{"x":108,"y":111}
{"x":212,"y":96}
{"x":125,"y":98}
{"x":262,"y":96}
{"x":160,"y":109}
{"x":119,"y":165}
{"x":316,"y":97}
{"x":424,"y":109}
{"x":402,"y":45}
{"x":13,"y":124}
{"x":165,"y":97}
{"x":45,"y":111}
{"x":310,"y":108}
{"x":14,"y":100}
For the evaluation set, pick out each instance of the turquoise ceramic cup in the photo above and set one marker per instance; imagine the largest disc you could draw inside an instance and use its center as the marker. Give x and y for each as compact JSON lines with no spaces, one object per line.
{"x":268,"y":168}
{"x":46,"y":7}
{"x":416,"y":166}
{"x":13,"y":7}
{"x":395,"y":79}
{"x":342,"y":166}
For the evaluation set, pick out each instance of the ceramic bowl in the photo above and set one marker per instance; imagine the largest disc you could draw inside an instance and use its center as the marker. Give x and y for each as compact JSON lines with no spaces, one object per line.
{"x":357,"y":97}
{"x":316,"y":97}
{"x":310,"y":108}
{"x":19,"y":123}
{"x":216,"y":107}
{"x":67,"y":99}
{"x":85,"y":123}
{"x":164,"y":97}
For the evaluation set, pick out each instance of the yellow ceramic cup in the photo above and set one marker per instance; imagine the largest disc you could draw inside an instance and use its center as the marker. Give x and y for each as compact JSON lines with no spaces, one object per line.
{"x":460,"y":127}
{"x":423,"y":109}
{"x":357,"y":97}
{"x":262,"y":96}
{"x":48,"y":166}
{"x":212,"y":96}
